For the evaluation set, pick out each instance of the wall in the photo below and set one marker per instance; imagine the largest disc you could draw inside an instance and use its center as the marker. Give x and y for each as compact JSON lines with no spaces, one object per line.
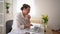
{"x":52,"y":8}
{"x":14,"y":8}
{"x":9,"y":16}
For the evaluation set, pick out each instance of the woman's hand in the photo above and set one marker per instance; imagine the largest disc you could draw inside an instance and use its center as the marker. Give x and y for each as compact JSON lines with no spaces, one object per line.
{"x":28,"y":17}
{"x":27,"y":25}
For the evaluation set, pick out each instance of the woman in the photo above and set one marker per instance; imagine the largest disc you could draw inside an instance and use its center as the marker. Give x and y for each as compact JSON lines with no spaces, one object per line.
{"x":22,"y":20}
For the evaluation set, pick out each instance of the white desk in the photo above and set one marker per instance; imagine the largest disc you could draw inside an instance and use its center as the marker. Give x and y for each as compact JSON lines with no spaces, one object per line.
{"x":29,"y":30}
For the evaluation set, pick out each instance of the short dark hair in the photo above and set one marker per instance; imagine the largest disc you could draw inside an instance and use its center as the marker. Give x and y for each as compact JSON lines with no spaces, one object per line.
{"x":25,"y":6}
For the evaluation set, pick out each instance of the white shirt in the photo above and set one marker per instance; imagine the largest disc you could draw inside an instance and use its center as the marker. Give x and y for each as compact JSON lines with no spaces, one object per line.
{"x":19,"y":21}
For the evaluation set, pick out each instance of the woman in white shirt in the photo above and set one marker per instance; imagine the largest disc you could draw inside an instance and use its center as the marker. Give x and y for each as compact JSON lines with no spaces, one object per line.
{"x":22,"y":20}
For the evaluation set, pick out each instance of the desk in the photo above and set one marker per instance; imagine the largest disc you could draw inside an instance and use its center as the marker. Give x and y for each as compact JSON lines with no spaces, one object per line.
{"x":19,"y":31}
{"x":48,"y":31}
{"x":56,"y":31}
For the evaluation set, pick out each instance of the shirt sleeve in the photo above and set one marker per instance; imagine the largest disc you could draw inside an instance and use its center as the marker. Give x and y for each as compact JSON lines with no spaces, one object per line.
{"x":17,"y":23}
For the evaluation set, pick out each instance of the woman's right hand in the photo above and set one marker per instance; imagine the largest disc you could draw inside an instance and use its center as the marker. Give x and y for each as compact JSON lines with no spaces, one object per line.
{"x":27,"y":25}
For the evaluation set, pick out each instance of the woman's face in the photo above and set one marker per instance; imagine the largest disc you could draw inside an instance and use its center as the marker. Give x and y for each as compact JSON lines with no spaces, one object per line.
{"x":26,"y":11}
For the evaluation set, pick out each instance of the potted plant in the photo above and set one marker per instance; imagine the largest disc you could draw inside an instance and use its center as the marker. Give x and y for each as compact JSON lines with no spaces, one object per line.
{"x":7,"y":6}
{"x":45,"y":21}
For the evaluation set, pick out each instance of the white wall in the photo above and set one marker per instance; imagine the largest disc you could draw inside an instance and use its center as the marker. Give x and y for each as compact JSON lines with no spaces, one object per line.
{"x":9,"y":16}
{"x":52,"y":8}
{"x":14,"y":8}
